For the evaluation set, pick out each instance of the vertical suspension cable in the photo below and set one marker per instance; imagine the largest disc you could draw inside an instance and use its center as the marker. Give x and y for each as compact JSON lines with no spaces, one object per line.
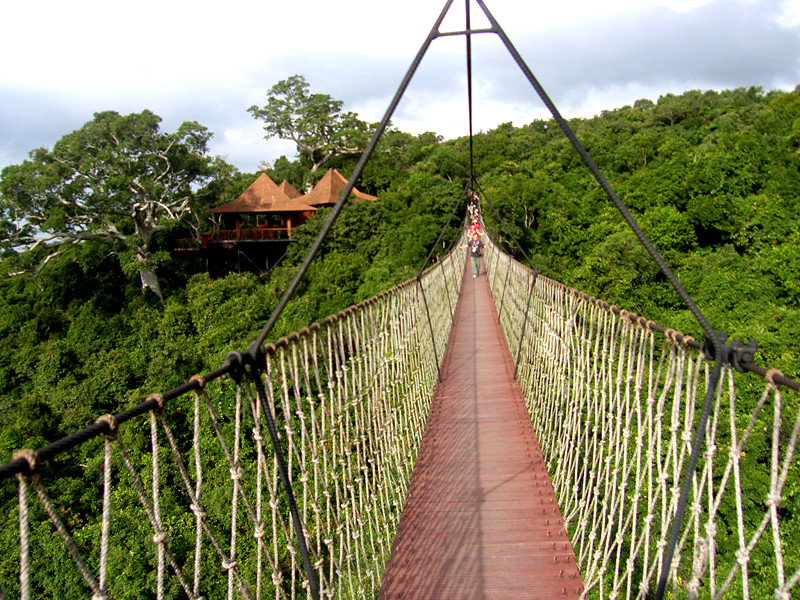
{"x":469,"y":90}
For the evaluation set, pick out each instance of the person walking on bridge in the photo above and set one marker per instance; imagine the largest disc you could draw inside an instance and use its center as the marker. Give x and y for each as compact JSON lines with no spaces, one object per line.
{"x":476,"y":247}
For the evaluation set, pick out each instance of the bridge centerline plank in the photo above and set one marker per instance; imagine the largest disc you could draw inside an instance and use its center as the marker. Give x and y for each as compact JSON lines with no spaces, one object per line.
{"x":480,"y":519}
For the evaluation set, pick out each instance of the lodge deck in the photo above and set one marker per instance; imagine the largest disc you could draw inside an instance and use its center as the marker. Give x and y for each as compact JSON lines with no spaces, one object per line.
{"x":480,"y":519}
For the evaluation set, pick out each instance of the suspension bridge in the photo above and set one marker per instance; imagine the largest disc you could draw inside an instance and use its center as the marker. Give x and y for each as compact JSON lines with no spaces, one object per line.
{"x":413,"y":476}
{"x":503,"y":436}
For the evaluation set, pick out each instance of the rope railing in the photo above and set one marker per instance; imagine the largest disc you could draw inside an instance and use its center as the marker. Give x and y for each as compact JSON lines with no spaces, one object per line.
{"x":614,"y":400}
{"x":204,"y":514}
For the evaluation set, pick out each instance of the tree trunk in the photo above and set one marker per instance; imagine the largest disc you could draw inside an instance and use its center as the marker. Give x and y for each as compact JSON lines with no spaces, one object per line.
{"x":145,"y":227}
{"x":150,"y":281}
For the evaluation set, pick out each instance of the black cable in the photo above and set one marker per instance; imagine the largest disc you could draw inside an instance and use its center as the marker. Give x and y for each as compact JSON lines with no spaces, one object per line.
{"x":287,"y":295}
{"x":594,"y":169}
{"x":442,"y":232}
{"x":255,"y":376}
{"x":469,"y":87}
{"x":505,"y":226}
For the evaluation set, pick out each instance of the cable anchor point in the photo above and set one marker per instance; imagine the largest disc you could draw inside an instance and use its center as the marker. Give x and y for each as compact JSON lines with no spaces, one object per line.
{"x":736,"y":353}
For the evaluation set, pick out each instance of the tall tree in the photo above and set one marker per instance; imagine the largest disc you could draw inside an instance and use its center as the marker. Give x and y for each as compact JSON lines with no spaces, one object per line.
{"x":118,"y":178}
{"x":315,"y":122}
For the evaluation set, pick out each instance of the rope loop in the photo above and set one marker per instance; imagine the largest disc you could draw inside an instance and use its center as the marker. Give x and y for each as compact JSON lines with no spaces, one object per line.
{"x":197,"y":510}
{"x":199,"y":381}
{"x":770,"y":377}
{"x":111,"y":423}
{"x":31,"y":457}
{"x":711,"y":529}
{"x":229,"y":564}
{"x":159,"y":399}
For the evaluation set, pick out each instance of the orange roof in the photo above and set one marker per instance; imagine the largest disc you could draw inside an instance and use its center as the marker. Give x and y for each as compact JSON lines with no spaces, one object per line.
{"x":288,"y":189}
{"x":263,"y":196}
{"x":329,"y":188}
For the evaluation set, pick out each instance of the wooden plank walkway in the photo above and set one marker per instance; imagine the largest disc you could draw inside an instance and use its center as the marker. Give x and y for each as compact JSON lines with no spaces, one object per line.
{"x":481,"y":519}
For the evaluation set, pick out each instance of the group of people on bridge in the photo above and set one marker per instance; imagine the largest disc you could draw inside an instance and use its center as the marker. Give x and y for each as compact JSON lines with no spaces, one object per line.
{"x":474,"y":234}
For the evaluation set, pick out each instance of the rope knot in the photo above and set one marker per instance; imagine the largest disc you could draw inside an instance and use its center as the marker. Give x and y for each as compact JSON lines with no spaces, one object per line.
{"x":161,"y":538}
{"x":773,"y":500}
{"x":236,"y":473}
{"x":742,"y":557}
{"x":711,"y":452}
{"x":259,"y":532}
{"x":198,"y":511}
{"x":227,"y":565}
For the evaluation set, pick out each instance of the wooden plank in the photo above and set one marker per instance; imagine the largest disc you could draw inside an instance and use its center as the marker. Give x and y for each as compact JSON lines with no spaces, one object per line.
{"x":481,"y":519}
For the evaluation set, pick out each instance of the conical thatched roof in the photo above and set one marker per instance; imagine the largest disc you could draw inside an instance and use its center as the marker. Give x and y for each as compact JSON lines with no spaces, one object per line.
{"x":263,"y":196}
{"x":329,"y":188}
{"x":288,"y":189}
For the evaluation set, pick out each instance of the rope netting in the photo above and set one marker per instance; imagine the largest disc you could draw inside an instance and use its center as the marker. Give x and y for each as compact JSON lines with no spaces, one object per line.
{"x":614,"y":401}
{"x":349,"y":395}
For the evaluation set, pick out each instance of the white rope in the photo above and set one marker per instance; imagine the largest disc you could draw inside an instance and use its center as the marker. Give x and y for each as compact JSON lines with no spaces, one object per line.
{"x":613,"y":402}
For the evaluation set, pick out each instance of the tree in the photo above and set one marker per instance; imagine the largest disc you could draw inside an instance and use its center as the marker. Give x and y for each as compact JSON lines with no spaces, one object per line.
{"x":315,"y":122}
{"x":117,"y":179}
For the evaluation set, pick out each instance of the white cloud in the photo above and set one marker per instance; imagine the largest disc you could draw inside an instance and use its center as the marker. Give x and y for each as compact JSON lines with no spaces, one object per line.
{"x":209,"y":62}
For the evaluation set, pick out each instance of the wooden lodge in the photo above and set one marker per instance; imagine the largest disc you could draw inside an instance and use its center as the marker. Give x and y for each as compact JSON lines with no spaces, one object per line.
{"x":267,"y":212}
{"x":263,"y":212}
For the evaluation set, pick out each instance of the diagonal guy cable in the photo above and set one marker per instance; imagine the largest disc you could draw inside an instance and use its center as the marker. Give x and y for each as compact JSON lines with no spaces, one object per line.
{"x":287,"y":295}
{"x":715,"y":339}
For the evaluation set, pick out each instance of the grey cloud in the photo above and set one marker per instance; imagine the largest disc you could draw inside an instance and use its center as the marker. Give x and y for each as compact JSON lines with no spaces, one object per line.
{"x":712,"y":45}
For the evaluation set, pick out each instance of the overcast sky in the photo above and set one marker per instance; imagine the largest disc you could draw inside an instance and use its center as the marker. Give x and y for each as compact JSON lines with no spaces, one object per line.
{"x":208,"y":62}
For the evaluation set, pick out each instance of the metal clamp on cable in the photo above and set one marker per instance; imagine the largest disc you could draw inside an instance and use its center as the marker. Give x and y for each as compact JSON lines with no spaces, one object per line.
{"x":736,"y":353}
{"x":235,"y":363}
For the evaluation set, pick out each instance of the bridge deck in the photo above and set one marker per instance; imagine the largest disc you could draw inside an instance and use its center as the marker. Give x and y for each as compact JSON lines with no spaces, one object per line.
{"x":480,"y":519}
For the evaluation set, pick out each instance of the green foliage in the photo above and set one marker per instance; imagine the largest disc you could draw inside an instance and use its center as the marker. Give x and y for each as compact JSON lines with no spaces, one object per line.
{"x":118,"y":179}
{"x":710,"y":176}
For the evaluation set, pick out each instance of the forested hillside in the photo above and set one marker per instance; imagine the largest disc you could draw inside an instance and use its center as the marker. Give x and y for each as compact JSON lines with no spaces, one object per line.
{"x":713,"y":178}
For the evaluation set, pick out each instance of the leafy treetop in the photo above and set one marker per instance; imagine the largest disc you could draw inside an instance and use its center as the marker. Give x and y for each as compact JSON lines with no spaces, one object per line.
{"x":315,"y":122}
{"x":119,"y":179}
